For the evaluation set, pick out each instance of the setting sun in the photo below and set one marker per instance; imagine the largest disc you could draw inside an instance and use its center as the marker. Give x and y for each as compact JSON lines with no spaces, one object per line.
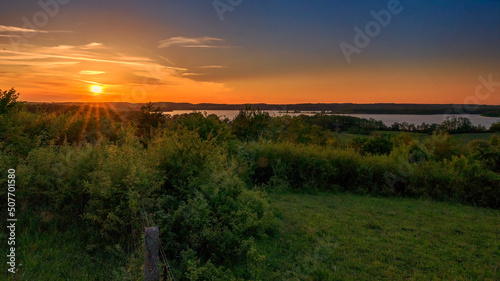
{"x":96,"y":89}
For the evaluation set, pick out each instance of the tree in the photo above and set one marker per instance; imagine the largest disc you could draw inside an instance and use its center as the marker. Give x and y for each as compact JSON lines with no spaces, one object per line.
{"x":8,"y":99}
{"x":495,"y":127}
{"x":148,"y":119}
{"x":250,"y":124}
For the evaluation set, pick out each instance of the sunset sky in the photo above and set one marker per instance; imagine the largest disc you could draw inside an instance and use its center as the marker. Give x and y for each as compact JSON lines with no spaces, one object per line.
{"x":251,"y":51}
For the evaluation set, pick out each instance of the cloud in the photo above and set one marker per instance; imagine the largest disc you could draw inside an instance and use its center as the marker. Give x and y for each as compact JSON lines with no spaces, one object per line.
{"x":42,"y":64}
{"x":205,"y":46}
{"x":213,"y":66}
{"x":82,"y":47}
{"x":92,"y":45}
{"x":200,"y":42}
{"x":91,"y":72}
{"x":73,"y":57}
{"x":9,"y":35}
{"x":4,"y":28}
{"x":93,"y":52}
{"x":119,"y":69}
{"x":192,"y":74}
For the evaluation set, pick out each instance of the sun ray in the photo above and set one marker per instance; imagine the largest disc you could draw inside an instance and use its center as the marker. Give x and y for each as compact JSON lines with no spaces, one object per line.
{"x":118,"y":113}
{"x":97,"y":109}
{"x":85,"y":123}
{"x":106,"y":111}
{"x":71,"y":120}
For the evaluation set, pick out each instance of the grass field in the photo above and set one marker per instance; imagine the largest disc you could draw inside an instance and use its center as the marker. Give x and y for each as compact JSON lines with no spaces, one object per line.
{"x":466,"y":138}
{"x":323,"y":236}
{"x":345,"y":237}
{"x":44,"y":253}
{"x":461,"y":139}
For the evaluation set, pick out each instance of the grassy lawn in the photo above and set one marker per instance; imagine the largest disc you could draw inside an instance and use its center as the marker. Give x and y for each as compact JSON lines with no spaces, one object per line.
{"x":461,"y":139}
{"x":44,"y":253}
{"x":466,"y":138}
{"x":346,"y":237}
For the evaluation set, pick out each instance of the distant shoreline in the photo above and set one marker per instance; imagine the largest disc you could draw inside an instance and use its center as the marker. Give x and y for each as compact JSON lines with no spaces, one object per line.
{"x":331,"y":108}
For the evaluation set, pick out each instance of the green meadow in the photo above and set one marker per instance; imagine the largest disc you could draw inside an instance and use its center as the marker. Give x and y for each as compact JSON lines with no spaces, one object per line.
{"x":331,"y":236}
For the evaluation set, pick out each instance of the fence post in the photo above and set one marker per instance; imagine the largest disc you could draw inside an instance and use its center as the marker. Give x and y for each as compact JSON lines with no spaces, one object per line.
{"x":151,"y":237}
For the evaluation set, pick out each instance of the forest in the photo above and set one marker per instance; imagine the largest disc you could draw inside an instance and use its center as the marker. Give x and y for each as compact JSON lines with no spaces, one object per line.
{"x":94,"y":178}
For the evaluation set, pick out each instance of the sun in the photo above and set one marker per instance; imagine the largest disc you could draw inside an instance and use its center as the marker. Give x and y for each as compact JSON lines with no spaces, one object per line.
{"x":96,"y":89}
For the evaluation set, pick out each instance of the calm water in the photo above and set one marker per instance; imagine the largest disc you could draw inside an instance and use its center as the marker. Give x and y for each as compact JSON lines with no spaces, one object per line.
{"x":388,"y":119}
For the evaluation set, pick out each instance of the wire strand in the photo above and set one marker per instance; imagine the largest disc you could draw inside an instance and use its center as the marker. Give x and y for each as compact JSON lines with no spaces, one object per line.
{"x":149,"y":221}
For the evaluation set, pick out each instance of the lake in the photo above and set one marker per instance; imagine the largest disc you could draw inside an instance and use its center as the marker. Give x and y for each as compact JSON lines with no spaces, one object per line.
{"x":388,"y":119}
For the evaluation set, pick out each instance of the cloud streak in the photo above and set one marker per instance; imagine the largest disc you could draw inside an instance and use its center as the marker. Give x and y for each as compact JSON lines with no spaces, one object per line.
{"x":91,"y":72}
{"x":199,"y":42}
{"x":213,"y":66}
{"x":73,"y":58}
{"x":120,"y":70}
{"x":4,"y":28}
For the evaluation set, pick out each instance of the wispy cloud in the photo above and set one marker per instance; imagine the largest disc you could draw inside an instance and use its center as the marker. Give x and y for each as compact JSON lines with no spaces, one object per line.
{"x":15,"y":29}
{"x":192,"y":74}
{"x":91,"y":72}
{"x":82,"y":47}
{"x":93,"y":45}
{"x":79,"y":58}
{"x":9,"y":35}
{"x":93,"y":52}
{"x":205,"y":46}
{"x":42,"y":64}
{"x":4,"y":28}
{"x":213,"y":66}
{"x":118,"y":69}
{"x":199,"y":42}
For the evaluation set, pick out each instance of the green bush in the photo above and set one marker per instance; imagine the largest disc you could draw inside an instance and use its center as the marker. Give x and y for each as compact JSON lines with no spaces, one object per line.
{"x":207,"y":127}
{"x":204,"y":208}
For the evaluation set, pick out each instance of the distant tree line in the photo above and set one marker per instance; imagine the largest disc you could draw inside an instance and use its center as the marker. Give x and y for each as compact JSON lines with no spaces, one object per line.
{"x":327,"y":108}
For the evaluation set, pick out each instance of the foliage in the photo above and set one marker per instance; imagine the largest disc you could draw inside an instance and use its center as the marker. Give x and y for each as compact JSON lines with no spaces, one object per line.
{"x":250,"y":124}
{"x":495,"y":127}
{"x":204,"y":208}
{"x":147,"y":120}
{"x":208,"y":127}
{"x":378,"y":145}
{"x":8,"y":100}
{"x":203,"y":180}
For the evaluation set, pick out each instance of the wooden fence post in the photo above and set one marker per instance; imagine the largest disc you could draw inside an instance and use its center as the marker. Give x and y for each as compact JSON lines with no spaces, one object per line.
{"x":151,"y":238}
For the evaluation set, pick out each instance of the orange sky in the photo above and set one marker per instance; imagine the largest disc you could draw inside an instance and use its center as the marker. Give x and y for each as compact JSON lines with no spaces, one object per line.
{"x":66,"y":73}
{"x":138,"y":54}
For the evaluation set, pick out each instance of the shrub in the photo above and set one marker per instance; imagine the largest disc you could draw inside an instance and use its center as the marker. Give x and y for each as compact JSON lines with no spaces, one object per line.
{"x":442,"y":147}
{"x":377,"y":145}
{"x":250,"y":124}
{"x":203,"y":206}
{"x":207,"y":127}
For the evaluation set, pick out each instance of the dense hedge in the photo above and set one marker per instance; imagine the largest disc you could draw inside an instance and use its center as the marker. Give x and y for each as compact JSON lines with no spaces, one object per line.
{"x":408,"y":171}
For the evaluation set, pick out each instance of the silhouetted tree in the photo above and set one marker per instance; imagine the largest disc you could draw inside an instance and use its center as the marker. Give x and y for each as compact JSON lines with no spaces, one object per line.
{"x":8,"y":99}
{"x":147,"y":120}
{"x":495,"y":127}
